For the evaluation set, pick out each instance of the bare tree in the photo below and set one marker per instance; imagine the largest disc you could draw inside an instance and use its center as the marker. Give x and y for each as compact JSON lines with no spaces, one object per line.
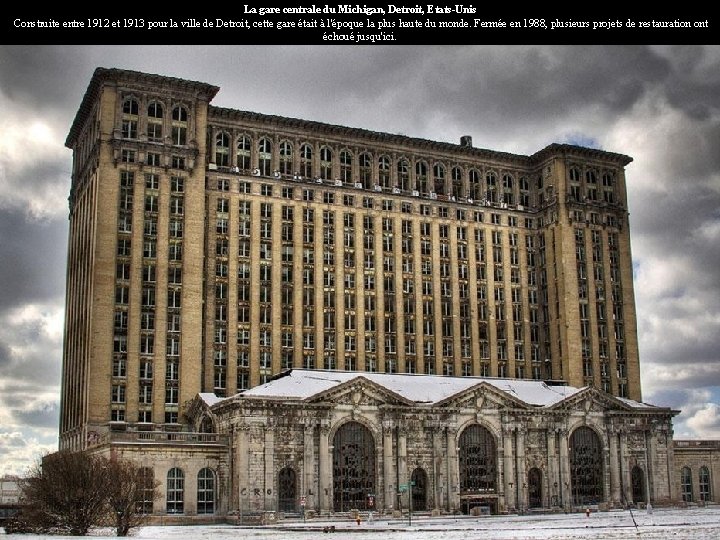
{"x":69,"y":492}
{"x":66,"y":493}
{"x":130,"y":496}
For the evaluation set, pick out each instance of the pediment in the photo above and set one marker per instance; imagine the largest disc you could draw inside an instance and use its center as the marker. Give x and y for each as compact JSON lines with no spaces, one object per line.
{"x":360,"y":392}
{"x":482,"y":396}
{"x":591,"y":399}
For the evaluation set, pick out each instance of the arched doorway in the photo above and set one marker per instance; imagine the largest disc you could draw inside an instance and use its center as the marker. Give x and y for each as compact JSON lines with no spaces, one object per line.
{"x":637,"y":480}
{"x":287,"y":490}
{"x":534,"y":488}
{"x":586,"y":467}
{"x":477,"y":458}
{"x":353,"y":467}
{"x":419,"y":489}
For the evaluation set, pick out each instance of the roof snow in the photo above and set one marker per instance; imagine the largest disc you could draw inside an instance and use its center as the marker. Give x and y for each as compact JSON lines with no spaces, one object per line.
{"x":429,"y":389}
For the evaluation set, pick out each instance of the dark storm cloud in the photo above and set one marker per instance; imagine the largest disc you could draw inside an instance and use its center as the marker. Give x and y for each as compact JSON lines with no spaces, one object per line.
{"x":33,"y":254}
{"x":40,"y":77}
{"x":695,"y":85}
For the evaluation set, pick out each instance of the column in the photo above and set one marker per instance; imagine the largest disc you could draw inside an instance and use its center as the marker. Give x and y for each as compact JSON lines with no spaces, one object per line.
{"x":615,"y":495}
{"x":438,"y":477}
{"x":521,"y":474}
{"x":389,"y":481}
{"x":402,"y":463}
{"x":325,"y":480}
{"x":625,"y":467}
{"x":565,"y":483}
{"x":509,"y":475}
{"x":269,"y":467}
{"x":241,"y":462}
{"x":452,"y":469}
{"x":651,"y":442}
{"x":551,"y":490}
{"x":309,"y":485}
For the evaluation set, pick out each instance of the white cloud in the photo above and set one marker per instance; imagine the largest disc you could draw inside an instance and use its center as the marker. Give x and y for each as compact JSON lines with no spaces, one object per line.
{"x":705,"y":422}
{"x":34,"y":164}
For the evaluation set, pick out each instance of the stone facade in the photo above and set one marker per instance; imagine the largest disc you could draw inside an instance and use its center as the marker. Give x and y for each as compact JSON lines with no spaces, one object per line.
{"x":212,"y":249}
{"x":697,"y":469}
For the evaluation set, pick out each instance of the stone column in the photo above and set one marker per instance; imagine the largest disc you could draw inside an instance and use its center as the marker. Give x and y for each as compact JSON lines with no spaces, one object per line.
{"x":625,"y":467}
{"x":309,"y":485}
{"x":565,"y":485}
{"x":402,"y":462}
{"x":269,"y":462}
{"x":389,"y":480}
{"x":325,"y":480}
{"x":615,"y":495}
{"x":521,"y":473}
{"x":651,"y":441}
{"x":241,"y":468}
{"x":551,"y":490}
{"x":452,"y":469}
{"x":438,"y":476}
{"x":509,"y":475}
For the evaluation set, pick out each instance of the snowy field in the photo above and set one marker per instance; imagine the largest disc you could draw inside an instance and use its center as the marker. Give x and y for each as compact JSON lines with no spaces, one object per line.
{"x":663,"y":524}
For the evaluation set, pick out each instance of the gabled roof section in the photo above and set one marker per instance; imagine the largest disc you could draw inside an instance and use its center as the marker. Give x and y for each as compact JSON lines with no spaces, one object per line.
{"x":592,"y":394}
{"x":390,"y":397}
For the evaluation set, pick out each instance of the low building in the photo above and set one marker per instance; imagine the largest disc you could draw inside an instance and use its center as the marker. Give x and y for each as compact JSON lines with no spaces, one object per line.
{"x":9,"y":496}
{"x":331,"y":442}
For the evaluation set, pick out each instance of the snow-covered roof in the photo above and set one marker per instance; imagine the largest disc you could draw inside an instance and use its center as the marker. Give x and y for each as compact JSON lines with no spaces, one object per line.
{"x":302,"y":384}
{"x":635,"y":404}
{"x":209,"y":398}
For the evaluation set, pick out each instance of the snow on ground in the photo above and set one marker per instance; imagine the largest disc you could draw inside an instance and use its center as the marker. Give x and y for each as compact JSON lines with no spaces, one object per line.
{"x":662,"y":524}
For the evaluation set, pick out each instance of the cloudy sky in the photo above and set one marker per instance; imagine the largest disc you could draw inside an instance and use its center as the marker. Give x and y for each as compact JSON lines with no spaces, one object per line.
{"x":660,"y":105}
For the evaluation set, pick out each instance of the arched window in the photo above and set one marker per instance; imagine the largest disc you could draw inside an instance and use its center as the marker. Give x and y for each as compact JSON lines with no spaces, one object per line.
{"x":306,"y":156}
{"x":346,"y":167}
{"x":147,"y":483}
{"x":508,"y":183}
{"x":686,"y":484}
{"x":418,"y":482}
{"x":524,"y":186}
{"x":206,"y":491}
{"x":325,"y":163}
{"x":421,"y":177}
{"x":608,"y":182}
{"x":243,"y":152}
{"x":384,"y":172}
{"x":637,"y":480}
{"x":439,"y":179}
{"x":365,"y":164}
{"x":175,"y":493}
{"x":475,"y":189}
{"x":130,"y":107}
{"x":264,"y":156}
{"x":287,"y":490}
{"x":353,"y":467}
{"x":491,"y":186}
{"x":478,"y":460}
{"x":179,"y":125}
{"x":403,"y":171}
{"x":586,"y":466}
{"x":130,"y":119}
{"x":286,"y":158}
{"x":457,"y":182}
{"x":222,"y":149}
{"x":705,"y":490}
{"x":575,"y":175}
{"x":534,"y":488}
{"x":155,"y":122}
